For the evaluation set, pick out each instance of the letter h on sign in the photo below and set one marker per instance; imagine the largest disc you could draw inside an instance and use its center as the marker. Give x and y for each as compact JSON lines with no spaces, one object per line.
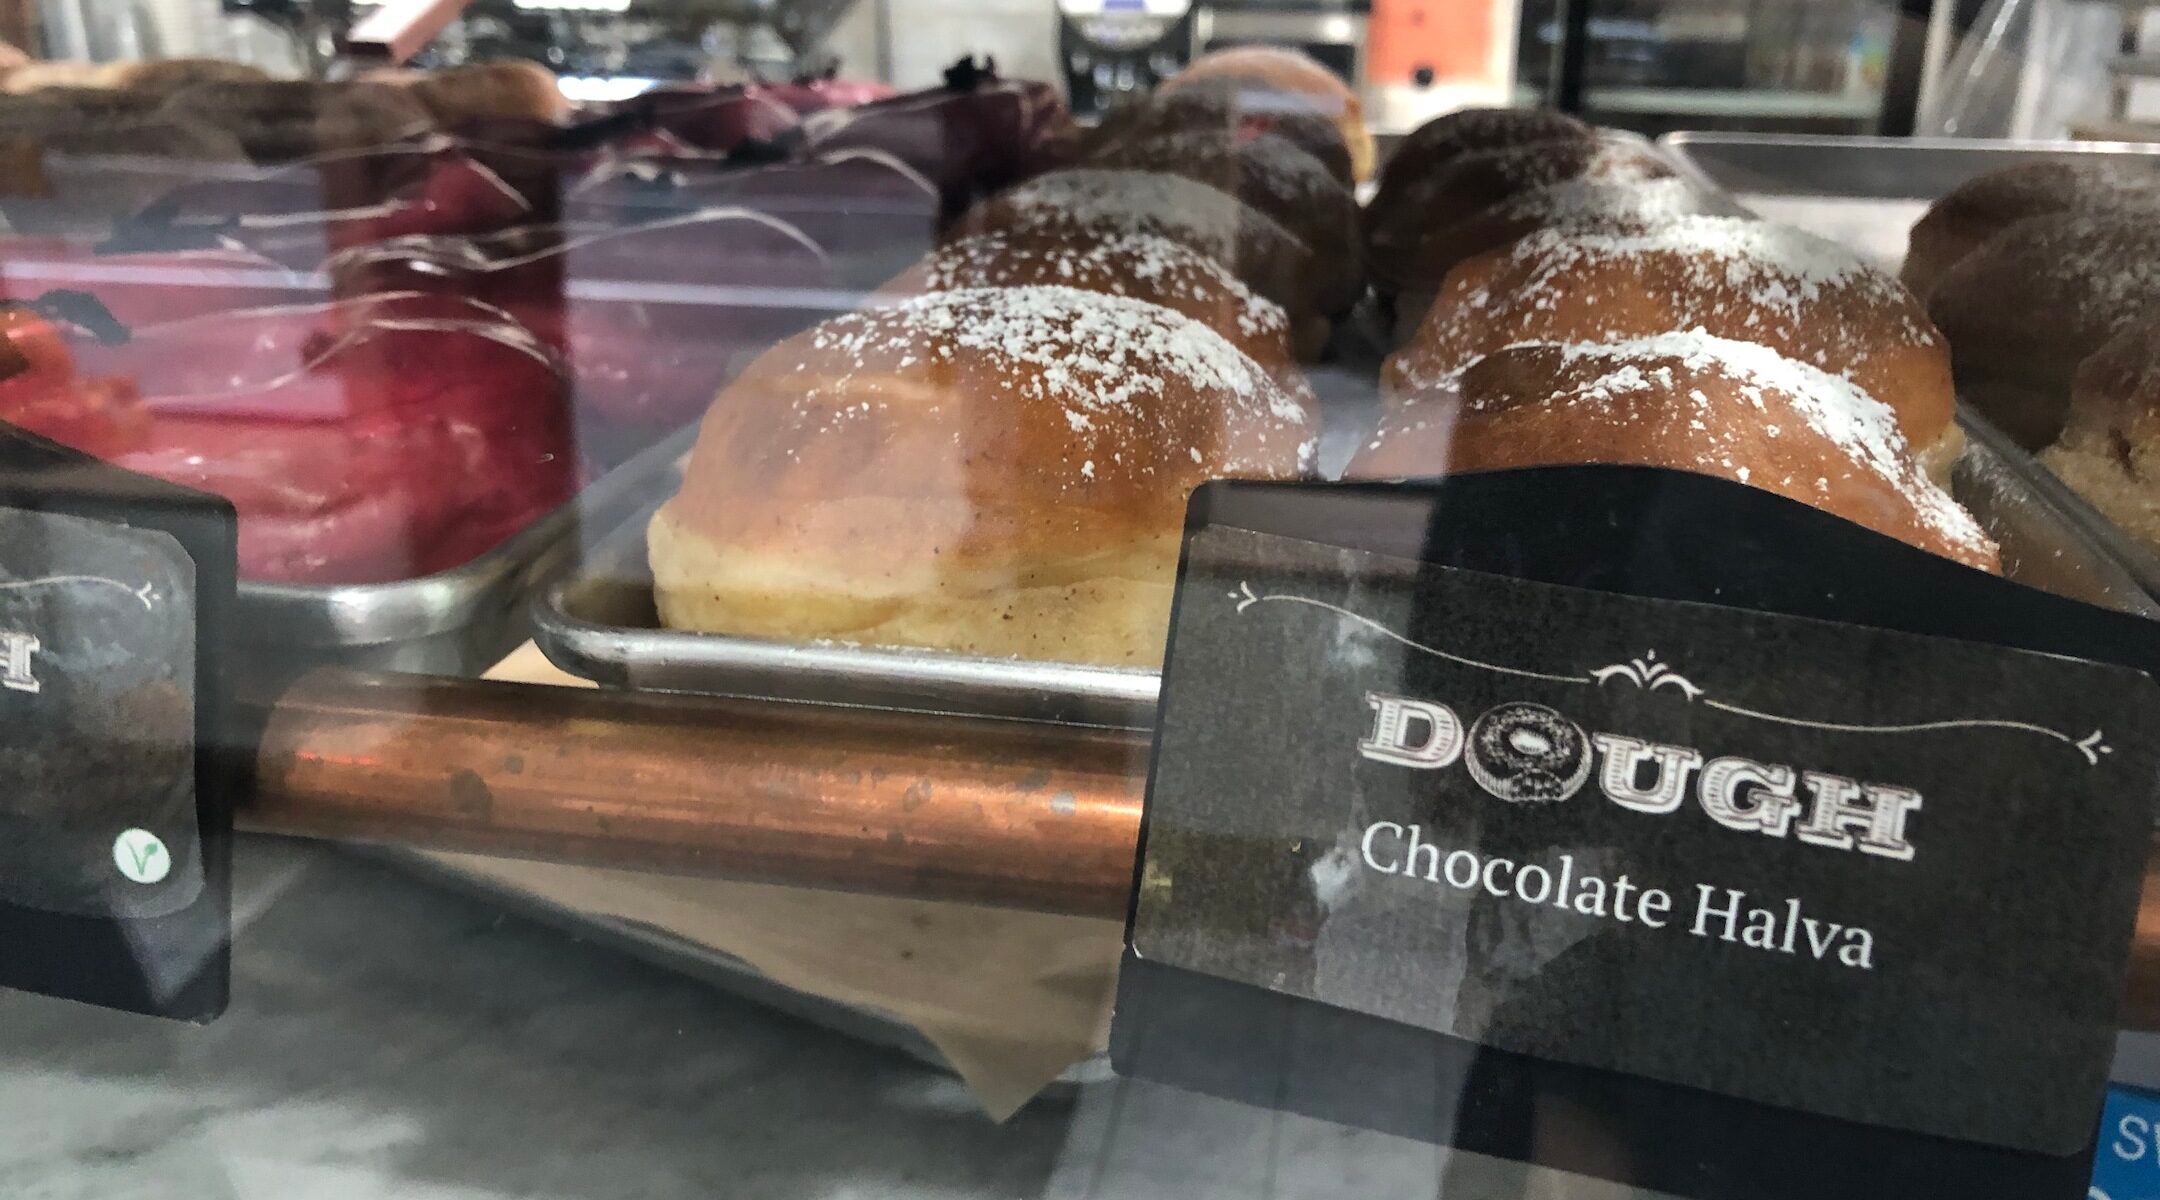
{"x":1843,"y":805}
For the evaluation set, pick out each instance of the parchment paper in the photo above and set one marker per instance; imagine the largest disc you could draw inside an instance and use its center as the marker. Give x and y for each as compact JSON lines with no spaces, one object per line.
{"x":1010,"y":998}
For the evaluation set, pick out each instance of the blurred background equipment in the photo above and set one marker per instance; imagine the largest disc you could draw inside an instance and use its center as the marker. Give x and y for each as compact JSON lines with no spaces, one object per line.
{"x":1116,"y":50}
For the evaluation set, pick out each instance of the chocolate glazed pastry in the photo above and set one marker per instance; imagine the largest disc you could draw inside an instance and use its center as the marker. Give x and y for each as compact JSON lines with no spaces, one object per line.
{"x":1438,"y":142}
{"x":2033,"y":302}
{"x":1978,"y":209}
{"x":1468,"y":184}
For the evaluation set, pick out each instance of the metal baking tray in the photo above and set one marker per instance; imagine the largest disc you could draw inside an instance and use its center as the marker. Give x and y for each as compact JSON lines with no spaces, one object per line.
{"x":460,"y":621}
{"x":1866,"y":192}
{"x":598,"y":621}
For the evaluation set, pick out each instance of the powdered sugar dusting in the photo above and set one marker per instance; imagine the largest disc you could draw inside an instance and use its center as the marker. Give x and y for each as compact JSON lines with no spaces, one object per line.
{"x":1592,"y":201}
{"x":1771,"y":264}
{"x":1169,"y":269}
{"x":1109,"y":363}
{"x":1742,"y":277}
{"x":1864,"y":428}
{"x":2108,"y":253}
{"x":1141,"y":202}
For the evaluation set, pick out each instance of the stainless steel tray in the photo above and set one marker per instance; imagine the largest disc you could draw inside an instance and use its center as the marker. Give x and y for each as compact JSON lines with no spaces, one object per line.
{"x":1866,"y":192}
{"x":600,"y":623}
{"x":460,"y":621}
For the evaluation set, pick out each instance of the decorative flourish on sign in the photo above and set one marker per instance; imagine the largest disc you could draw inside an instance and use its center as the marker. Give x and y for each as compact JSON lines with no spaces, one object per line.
{"x":147,"y":593}
{"x":1649,"y":674}
{"x":1249,"y":599}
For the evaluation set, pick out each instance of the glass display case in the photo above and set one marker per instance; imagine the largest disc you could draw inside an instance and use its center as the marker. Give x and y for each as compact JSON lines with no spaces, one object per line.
{"x":1077,"y":601}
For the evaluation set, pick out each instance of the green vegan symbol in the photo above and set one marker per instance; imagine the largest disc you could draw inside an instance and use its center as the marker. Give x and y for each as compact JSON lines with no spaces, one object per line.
{"x":141,"y":856}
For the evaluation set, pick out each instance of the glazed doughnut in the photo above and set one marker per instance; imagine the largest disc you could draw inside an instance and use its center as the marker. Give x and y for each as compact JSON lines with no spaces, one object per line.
{"x":996,"y":471}
{"x":1802,"y":296}
{"x":1102,"y":202}
{"x":2032,"y":302}
{"x":1527,"y":754}
{"x":1439,"y":142}
{"x":2109,"y":451}
{"x":1275,"y":178}
{"x":1137,"y":265}
{"x":1687,"y":402}
{"x":1579,"y":205}
{"x":1273,"y":77}
{"x":1980,"y":208}
{"x":1471,"y":183}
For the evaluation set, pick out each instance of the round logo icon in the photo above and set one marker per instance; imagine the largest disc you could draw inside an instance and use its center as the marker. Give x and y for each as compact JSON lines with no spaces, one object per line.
{"x":141,"y":856}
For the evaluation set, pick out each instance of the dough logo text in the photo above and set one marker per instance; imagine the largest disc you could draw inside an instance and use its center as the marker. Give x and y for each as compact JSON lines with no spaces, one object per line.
{"x":1529,"y":754}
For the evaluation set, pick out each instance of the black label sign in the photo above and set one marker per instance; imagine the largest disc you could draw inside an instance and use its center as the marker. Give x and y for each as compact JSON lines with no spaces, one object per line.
{"x":97,"y":692}
{"x":117,"y":774}
{"x":1868,"y":875}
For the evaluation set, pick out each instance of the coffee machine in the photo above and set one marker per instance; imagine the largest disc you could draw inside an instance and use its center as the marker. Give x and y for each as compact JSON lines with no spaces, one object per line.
{"x":1115,"y":51}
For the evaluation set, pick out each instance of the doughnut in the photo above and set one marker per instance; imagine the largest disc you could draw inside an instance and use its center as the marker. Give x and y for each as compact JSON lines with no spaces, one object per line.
{"x":1439,"y":142}
{"x":1212,"y":105}
{"x":1275,"y":178}
{"x":1799,"y":295}
{"x":1527,"y":754}
{"x":1471,"y":183}
{"x":1578,"y":205}
{"x":1101,"y":202}
{"x":2034,"y":301}
{"x":991,"y":471}
{"x":1980,"y":208}
{"x":1139,"y":265}
{"x":1273,"y":77}
{"x":1686,"y":402}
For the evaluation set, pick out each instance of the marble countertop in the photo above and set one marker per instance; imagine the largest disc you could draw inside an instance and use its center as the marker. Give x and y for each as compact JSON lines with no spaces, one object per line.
{"x":390,"y":1038}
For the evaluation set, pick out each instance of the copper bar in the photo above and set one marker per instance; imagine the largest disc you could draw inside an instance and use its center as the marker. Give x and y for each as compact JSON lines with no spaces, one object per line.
{"x":998,"y":812}
{"x":990,"y":812}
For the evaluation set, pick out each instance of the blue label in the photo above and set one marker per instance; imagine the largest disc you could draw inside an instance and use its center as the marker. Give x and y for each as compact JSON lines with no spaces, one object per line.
{"x":2127,"y":1165}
